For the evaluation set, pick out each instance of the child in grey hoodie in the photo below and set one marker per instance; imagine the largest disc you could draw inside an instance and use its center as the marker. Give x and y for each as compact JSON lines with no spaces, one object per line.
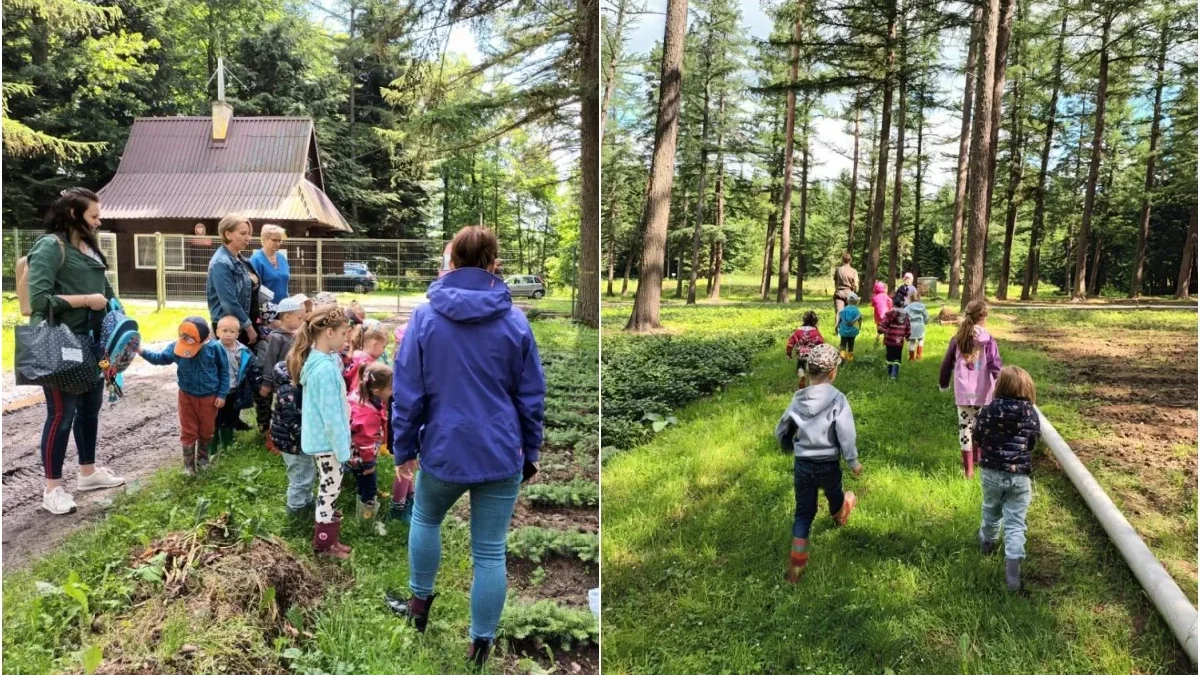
{"x":818,"y":429}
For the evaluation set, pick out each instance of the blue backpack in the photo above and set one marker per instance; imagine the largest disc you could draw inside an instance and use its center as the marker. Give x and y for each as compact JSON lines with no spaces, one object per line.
{"x":120,"y":341}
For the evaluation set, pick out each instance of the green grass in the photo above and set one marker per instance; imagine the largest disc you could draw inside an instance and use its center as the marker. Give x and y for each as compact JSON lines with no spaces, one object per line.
{"x":697,"y":526}
{"x":351,"y":629}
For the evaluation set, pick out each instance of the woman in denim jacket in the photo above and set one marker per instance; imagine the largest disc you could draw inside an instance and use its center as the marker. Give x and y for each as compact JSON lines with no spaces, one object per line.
{"x":230,"y":281}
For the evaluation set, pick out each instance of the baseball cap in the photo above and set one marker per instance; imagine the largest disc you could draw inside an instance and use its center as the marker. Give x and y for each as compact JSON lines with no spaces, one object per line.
{"x":193,"y":333}
{"x":325,"y":298}
{"x":823,"y":358}
{"x":852,"y":298}
{"x":293,"y":303}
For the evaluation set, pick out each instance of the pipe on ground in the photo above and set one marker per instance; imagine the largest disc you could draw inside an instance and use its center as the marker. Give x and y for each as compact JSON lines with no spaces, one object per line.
{"x":1170,"y":601}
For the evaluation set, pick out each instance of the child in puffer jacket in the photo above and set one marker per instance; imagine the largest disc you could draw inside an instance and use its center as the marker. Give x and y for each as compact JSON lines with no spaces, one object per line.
{"x":1005,"y":434}
{"x":895,"y":330}
{"x":801,"y":342}
{"x":882,"y":303}
{"x":918,"y":317}
{"x":368,"y":425}
{"x":285,"y":437}
{"x":973,"y":361}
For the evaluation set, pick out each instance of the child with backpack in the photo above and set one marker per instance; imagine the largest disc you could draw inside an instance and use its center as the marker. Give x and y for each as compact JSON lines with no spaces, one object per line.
{"x":285,"y":438}
{"x":241,"y":383}
{"x":1005,"y":434}
{"x":324,"y":418}
{"x":291,"y":311}
{"x":849,"y":321}
{"x":918,"y":316}
{"x":203,"y":376}
{"x":818,"y":429}
{"x":882,"y":303}
{"x":973,"y":361}
{"x":895,"y":330}
{"x":368,"y":428}
{"x":802,"y":341}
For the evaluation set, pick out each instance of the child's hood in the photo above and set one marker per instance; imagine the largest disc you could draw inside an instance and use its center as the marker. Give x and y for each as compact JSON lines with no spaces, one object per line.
{"x":916,"y":307}
{"x":880,"y":287}
{"x":813,"y":402}
{"x":317,"y":360}
{"x":982,"y":336}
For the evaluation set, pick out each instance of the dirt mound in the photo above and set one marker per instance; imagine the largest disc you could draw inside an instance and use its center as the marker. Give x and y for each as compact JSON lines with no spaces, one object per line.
{"x":208,"y":600}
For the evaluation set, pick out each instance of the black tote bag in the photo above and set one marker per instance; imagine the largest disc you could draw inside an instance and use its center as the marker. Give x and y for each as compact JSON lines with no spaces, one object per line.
{"x":50,"y":355}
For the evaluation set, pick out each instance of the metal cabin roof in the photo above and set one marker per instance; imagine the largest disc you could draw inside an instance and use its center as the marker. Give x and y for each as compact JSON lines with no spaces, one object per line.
{"x":172,"y":168}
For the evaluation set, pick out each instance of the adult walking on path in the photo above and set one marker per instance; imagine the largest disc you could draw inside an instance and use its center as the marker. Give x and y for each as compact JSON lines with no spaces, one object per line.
{"x":845,"y":283}
{"x":231,"y":284}
{"x":66,"y":278}
{"x":271,"y":264}
{"x":468,"y":371}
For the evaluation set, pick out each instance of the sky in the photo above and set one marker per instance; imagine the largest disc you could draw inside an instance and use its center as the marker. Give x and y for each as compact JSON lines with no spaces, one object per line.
{"x":832,"y":144}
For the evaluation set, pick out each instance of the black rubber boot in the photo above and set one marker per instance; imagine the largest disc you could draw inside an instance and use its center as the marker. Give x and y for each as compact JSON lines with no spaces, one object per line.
{"x":478,"y":652}
{"x":986,"y":547}
{"x":1012,"y":573}
{"x":414,"y":609}
{"x":189,"y":459}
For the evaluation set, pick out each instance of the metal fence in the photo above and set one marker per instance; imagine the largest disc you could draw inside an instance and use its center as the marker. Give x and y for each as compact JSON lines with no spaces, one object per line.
{"x":17,"y":243}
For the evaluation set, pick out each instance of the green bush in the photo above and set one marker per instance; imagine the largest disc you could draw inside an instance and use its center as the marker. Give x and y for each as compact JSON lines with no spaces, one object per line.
{"x":546,"y":623}
{"x":535,"y":543}
{"x":575,"y":493}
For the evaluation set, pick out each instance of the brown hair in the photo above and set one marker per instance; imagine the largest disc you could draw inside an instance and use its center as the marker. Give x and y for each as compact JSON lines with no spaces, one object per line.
{"x":230,"y":223}
{"x":66,"y":216}
{"x":374,"y":377}
{"x":319,"y":320}
{"x":374,"y":334}
{"x":977,"y":310}
{"x":1014,"y":382}
{"x":474,"y":247}
{"x":846,"y":258}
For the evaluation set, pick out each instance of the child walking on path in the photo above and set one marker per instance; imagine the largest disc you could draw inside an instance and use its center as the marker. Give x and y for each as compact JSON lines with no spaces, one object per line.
{"x":1006,"y":431}
{"x":240,"y":359}
{"x":368,"y":422}
{"x":818,"y":429}
{"x":324,"y":418}
{"x":802,"y":341}
{"x":918,"y":316}
{"x":203,"y":375}
{"x":895,"y":330}
{"x":882,"y":304}
{"x":973,"y":360}
{"x":849,"y":321}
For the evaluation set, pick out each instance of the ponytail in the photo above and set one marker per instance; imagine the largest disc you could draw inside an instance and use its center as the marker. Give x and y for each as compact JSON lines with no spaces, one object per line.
{"x":306,"y":337}
{"x":977,"y":310}
{"x":373,"y":378}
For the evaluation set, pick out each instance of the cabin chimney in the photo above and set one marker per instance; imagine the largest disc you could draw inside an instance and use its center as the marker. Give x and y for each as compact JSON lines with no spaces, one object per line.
{"x":222,"y":112}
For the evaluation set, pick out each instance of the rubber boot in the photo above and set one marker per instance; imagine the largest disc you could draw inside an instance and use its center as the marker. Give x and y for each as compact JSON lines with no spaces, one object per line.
{"x":986,"y":546}
{"x":798,"y":560}
{"x":478,"y":652}
{"x":202,"y":455}
{"x":326,"y":541}
{"x":968,"y":462}
{"x":844,"y":354}
{"x":414,"y":609}
{"x":189,"y":459}
{"x":1012,"y":573}
{"x":920,"y":352}
{"x":843,"y":515}
{"x":851,"y":356}
{"x":912,"y":356}
{"x":366,"y":510}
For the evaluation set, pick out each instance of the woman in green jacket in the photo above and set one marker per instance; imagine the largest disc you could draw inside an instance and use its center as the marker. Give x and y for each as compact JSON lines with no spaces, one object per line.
{"x":66,"y":274}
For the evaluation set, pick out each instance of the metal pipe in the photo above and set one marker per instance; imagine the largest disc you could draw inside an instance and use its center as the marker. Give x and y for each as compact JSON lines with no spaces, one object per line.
{"x":1168,"y":599}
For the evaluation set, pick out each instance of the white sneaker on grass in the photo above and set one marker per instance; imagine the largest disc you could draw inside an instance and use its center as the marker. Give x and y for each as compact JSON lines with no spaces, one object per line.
{"x":100,"y":479}
{"x":58,"y":502}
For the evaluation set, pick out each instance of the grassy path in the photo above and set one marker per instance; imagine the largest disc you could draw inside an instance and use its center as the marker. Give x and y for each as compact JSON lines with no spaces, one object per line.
{"x":697,"y":527}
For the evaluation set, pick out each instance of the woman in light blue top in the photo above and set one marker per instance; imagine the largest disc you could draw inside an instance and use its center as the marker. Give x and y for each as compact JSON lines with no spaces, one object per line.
{"x":271,"y":264}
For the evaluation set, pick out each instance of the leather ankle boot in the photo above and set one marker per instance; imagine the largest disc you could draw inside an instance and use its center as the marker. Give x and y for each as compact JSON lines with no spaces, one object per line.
{"x":478,"y":651}
{"x":413,"y":609}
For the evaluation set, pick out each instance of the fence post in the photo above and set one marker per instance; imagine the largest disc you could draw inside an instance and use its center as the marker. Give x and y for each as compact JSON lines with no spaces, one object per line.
{"x":399,"y":248}
{"x":160,"y":271}
{"x":320,"y":264}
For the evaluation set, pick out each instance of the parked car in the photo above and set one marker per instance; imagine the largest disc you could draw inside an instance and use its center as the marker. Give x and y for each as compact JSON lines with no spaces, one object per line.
{"x":524,"y":285}
{"x":356,"y":277}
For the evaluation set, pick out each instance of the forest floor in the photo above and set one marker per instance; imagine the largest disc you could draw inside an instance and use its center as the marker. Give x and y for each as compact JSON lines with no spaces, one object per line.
{"x":142,"y":577}
{"x":697,"y":523}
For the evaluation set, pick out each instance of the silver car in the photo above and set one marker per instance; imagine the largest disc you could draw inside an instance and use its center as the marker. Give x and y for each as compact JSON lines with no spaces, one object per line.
{"x":524,"y":285}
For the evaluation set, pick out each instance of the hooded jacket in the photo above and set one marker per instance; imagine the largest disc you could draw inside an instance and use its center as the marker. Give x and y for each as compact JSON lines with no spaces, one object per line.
{"x":881,"y":302}
{"x":325,"y":413}
{"x":918,"y":316}
{"x":818,"y":426}
{"x":468,"y":371}
{"x":205,"y":374}
{"x":895,"y":328}
{"x":367,"y":422}
{"x":285,"y":417}
{"x":1006,"y":431}
{"x":973,"y":380}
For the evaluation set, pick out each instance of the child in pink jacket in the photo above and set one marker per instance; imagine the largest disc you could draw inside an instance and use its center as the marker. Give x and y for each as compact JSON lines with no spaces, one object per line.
{"x":882,"y":303}
{"x":973,"y":360}
{"x":368,"y":424}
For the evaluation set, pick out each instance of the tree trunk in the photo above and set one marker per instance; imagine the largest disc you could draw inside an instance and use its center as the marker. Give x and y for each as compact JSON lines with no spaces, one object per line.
{"x":981,"y":138}
{"x":854,"y":173}
{"x":916,"y":253}
{"x":610,"y":70}
{"x":1016,"y":171}
{"x":679,"y":276}
{"x":872,"y":155}
{"x":1039,"y":205}
{"x":587,"y":310}
{"x":1003,"y":37}
{"x":613,"y":211}
{"x":800,"y":262}
{"x":1106,"y":212}
{"x":445,"y":202}
{"x":764,"y":287}
{"x":894,"y":243}
{"x":1097,"y":255}
{"x":785,"y":219}
{"x":628,"y":270}
{"x":700,"y":197}
{"x":714,"y":293}
{"x":1089,"y":199}
{"x":1139,"y":259}
{"x":885,"y":129}
{"x":964,"y":154}
{"x":1184,"y":282}
{"x":662,"y":173}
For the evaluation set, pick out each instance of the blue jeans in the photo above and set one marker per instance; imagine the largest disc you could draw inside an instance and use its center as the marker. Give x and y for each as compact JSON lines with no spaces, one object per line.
{"x":492,"y":507}
{"x":1006,"y":498}
{"x":301,"y":473}
{"x":808,"y":476}
{"x":64,"y":413}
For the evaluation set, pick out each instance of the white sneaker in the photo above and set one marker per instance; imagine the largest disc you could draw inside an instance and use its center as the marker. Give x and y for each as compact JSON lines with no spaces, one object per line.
{"x":58,"y":502}
{"x":100,"y":479}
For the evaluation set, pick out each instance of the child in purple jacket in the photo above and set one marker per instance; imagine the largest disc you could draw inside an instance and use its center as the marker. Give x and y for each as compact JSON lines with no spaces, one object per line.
{"x":973,"y":360}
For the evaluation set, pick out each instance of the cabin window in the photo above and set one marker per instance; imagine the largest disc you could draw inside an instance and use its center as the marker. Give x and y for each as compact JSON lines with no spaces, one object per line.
{"x":143,"y":252}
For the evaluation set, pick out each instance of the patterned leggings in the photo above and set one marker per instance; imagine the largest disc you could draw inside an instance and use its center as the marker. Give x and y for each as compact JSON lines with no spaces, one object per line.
{"x":966,"y":420}
{"x":329,"y":484}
